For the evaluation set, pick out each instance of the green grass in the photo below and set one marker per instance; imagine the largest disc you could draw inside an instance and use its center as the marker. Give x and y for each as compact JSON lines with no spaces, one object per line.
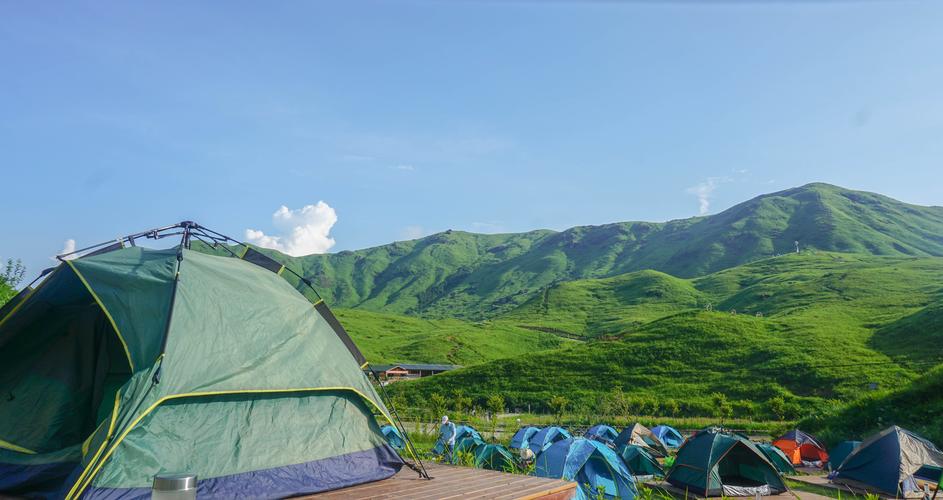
{"x":916,"y":407}
{"x":817,"y":343}
{"x":459,"y":274}
{"x":391,"y":338}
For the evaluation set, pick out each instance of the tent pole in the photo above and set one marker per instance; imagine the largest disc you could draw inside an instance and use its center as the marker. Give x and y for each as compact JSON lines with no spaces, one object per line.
{"x":402,"y":428}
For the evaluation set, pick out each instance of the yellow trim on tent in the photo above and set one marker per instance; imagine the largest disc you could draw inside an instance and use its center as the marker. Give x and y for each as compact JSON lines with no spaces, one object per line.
{"x":111,"y":430}
{"x":281,"y":270}
{"x":10,"y":446}
{"x":364,"y":365}
{"x":318,"y":302}
{"x":75,"y":494}
{"x":244,"y":252}
{"x":107,"y":314}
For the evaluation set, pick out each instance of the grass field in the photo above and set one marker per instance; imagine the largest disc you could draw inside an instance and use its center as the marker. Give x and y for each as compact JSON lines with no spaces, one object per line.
{"x":815,"y":343}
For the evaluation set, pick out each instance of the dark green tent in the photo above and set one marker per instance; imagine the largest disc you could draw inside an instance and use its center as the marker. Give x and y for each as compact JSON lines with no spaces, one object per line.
{"x":714,"y":463}
{"x":777,"y":458}
{"x":132,"y":362}
{"x":494,"y":457}
{"x":640,"y":462}
{"x":886,"y":463}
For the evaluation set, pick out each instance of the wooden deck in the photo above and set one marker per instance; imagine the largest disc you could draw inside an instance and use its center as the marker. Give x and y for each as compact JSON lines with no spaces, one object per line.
{"x":451,"y":482}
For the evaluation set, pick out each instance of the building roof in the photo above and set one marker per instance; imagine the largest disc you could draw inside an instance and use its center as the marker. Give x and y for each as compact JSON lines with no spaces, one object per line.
{"x":415,"y":366}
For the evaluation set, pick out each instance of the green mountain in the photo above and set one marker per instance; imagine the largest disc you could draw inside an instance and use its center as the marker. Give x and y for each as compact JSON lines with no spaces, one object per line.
{"x":810,"y":328}
{"x":459,"y":274}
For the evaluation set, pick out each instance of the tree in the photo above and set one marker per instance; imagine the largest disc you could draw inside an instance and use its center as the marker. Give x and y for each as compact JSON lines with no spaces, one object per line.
{"x":495,"y":406}
{"x":13,"y":272}
{"x":460,"y":402}
{"x":671,"y":407}
{"x":616,"y":403}
{"x":721,"y":407}
{"x":436,"y":406}
{"x":776,"y":406}
{"x":558,"y":406}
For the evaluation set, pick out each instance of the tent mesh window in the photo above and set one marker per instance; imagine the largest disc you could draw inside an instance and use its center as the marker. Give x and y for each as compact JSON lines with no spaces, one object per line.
{"x":60,"y":353}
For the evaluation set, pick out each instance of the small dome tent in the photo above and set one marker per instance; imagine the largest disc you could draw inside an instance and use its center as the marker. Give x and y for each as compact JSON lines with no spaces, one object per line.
{"x":127,"y":362}
{"x":546,"y":437}
{"x":393,"y":437}
{"x":640,"y":462}
{"x":461,"y":432}
{"x":887,"y":462}
{"x":602,"y":433}
{"x":522,"y":437}
{"x":714,"y":463}
{"x":639,"y":435}
{"x":668,"y":435}
{"x":494,"y":457}
{"x":802,"y":448}
{"x":592,"y":465}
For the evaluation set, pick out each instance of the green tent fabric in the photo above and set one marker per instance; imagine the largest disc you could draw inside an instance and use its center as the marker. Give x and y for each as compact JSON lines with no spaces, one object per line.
{"x":494,"y":457}
{"x":138,"y":361}
{"x":715,"y":463}
{"x":777,"y":458}
{"x":640,"y":462}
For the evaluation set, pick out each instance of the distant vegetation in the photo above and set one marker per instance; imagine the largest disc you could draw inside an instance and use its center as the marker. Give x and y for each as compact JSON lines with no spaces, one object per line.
{"x":11,"y":275}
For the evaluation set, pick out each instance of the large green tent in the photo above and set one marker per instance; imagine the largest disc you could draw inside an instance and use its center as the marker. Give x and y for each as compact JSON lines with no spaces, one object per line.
{"x":132,"y":362}
{"x":714,"y":463}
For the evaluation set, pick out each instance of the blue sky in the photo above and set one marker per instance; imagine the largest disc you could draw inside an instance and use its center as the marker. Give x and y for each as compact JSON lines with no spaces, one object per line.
{"x":406,"y":118}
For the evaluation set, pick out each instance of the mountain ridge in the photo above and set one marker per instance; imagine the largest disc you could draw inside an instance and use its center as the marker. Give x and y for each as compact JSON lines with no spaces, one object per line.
{"x":479,"y":276}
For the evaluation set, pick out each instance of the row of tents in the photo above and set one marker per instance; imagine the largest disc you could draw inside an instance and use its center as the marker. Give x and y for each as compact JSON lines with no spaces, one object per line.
{"x":711,"y":462}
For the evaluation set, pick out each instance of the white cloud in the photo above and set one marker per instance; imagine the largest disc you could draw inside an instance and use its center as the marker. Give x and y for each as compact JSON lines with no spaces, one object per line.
{"x":704,"y":191}
{"x":67,"y":247}
{"x":413,"y":232}
{"x":488,"y":227}
{"x":406,"y":168}
{"x":301,"y":232}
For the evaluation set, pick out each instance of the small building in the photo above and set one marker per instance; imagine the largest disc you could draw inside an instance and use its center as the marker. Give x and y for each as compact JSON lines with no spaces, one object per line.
{"x":409,"y":371}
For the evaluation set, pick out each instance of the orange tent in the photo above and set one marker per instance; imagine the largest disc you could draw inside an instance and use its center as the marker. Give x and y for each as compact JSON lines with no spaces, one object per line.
{"x":802,"y":449}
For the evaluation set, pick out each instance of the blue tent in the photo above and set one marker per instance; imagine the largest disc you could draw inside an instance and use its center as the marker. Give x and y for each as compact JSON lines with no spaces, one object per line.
{"x":668,"y":435}
{"x":592,"y":465}
{"x":461,"y":431}
{"x":546,"y":437}
{"x":886,"y":462}
{"x":393,"y":437}
{"x":840,"y":452}
{"x":522,"y":437}
{"x":602,"y":433}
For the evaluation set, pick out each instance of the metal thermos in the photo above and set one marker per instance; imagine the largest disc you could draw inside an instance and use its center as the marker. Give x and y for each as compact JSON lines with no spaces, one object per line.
{"x":174,"y":487}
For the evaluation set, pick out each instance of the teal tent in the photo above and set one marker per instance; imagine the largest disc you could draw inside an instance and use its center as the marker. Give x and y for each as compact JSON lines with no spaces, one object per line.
{"x":777,"y":458}
{"x":521,"y":438}
{"x":494,"y":457}
{"x":640,"y":462}
{"x":132,"y":361}
{"x":595,"y":467}
{"x":461,"y":432}
{"x":546,"y":437}
{"x":715,"y":463}
{"x":393,"y":437}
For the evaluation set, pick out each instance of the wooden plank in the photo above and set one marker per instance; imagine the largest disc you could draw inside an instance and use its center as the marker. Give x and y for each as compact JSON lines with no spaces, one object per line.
{"x":453,"y":482}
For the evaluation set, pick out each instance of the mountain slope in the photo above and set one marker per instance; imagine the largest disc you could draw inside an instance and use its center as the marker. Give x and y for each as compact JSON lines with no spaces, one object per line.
{"x":459,"y":274}
{"x":916,"y":407}
{"x":813,"y":341}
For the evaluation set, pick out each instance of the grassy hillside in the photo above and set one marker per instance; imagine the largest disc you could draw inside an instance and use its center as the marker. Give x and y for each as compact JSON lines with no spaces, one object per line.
{"x":916,"y":407}
{"x":815,"y":340}
{"x":391,"y":338}
{"x":459,"y":274}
